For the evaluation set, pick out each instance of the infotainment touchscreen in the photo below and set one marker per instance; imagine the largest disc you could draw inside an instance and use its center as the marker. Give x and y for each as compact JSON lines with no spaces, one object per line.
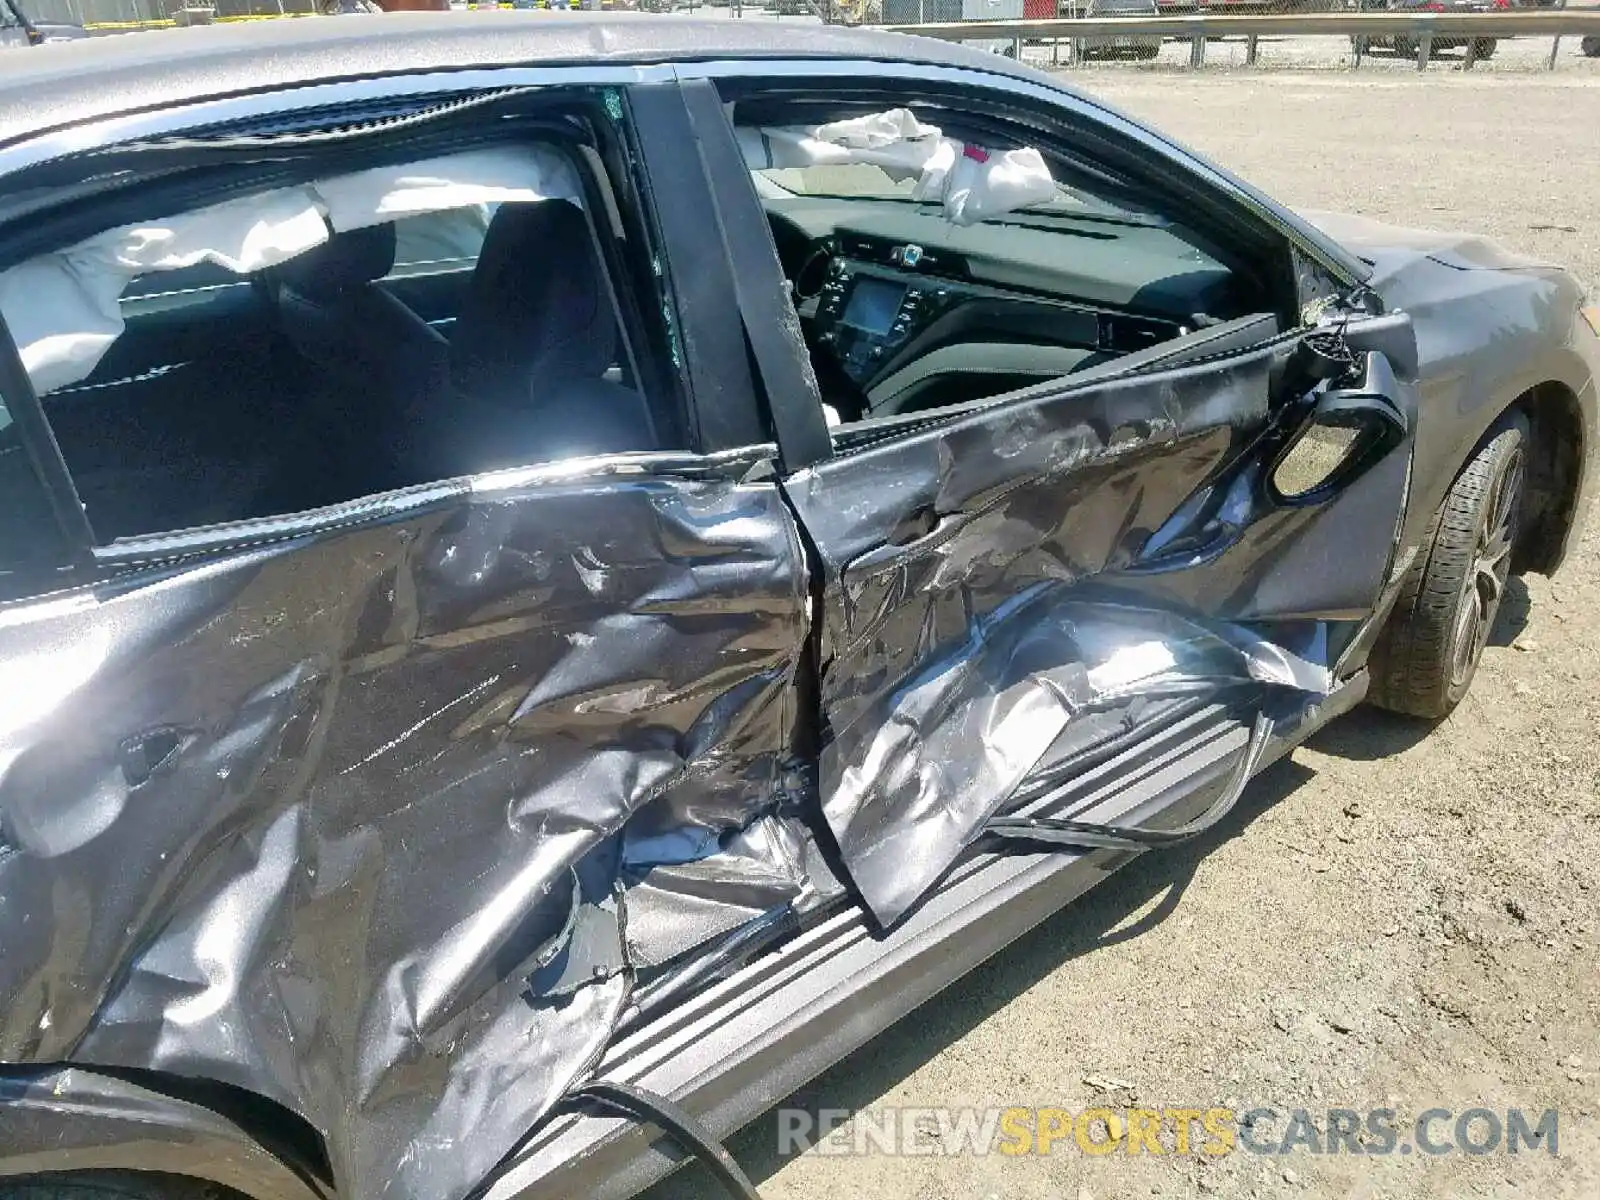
{"x":873,"y":304}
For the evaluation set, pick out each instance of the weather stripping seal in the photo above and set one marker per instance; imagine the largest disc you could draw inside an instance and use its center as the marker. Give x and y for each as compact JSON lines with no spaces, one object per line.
{"x":689,"y":1133}
{"x":639,"y":1104}
{"x":1077,"y":834}
{"x":186,"y":117}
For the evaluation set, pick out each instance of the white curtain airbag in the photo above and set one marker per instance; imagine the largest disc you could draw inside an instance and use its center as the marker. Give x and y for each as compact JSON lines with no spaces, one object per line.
{"x":971,"y":183}
{"x":63,"y":308}
{"x":476,"y":177}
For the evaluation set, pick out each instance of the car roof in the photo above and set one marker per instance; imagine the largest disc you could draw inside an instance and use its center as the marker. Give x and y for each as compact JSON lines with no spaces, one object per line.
{"x":58,"y":85}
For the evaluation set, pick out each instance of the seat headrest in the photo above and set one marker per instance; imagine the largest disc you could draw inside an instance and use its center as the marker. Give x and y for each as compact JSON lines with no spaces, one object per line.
{"x":537,"y":311}
{"x":346,"y":260}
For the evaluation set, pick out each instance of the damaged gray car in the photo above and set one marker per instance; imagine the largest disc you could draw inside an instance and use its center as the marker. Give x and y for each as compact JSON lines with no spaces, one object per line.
{"x":557,"y":575}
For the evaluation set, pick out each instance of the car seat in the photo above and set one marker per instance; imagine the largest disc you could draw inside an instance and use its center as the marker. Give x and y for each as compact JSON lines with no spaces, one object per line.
{"x":536,"y":334}
{"x":381,"y":364}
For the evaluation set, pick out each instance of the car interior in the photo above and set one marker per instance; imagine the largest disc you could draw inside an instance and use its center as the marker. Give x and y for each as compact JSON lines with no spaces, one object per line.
{"x":389,"y":355}
{"x":907,"y":313}
{"x":376,"y":360}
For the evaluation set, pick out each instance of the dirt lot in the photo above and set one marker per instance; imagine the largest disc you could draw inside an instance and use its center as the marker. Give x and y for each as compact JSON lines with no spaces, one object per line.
{"x":1402,"y":916}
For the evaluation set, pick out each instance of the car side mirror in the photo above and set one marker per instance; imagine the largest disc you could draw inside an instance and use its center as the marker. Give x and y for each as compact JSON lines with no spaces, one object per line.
{"x":1347,"y":430}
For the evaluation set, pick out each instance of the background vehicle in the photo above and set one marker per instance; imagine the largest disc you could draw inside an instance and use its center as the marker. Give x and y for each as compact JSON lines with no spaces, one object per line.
{"x":1407,"y":47}
{"x":1145,"y":46}
{"x":914,"y":12}
{"x":1249,"y":7}
{"x":511,"y":690}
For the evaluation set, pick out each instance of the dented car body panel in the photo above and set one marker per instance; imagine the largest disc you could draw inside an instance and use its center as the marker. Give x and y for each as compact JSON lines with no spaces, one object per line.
{"x":316,"y":806}
{"x":990,"y":580}
{"x":404,"y":818}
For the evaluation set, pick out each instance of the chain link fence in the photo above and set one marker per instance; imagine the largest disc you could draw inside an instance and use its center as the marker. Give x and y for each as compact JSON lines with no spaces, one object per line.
{"x":143,"y":12}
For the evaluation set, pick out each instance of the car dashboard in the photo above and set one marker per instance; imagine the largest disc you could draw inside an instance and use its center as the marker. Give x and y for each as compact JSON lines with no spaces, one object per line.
{"x":904,"y":312}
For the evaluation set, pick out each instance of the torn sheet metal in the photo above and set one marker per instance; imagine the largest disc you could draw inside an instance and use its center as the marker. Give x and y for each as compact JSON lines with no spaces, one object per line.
{"x":995,"y":579}
{"x":922,"y":770}
{"x":972,"y":183}
{"x":677,"y":904}
{"x":381,"y":824}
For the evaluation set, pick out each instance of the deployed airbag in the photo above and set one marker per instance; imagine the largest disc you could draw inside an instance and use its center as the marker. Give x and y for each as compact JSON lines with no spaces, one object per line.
{"x":972,"y":183}
{"x":63,"y":308}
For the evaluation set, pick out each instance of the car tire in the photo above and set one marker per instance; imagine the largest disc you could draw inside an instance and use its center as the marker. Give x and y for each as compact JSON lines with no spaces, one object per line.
{"x":1483,"y":48}
{"x":1428,"y":653}
{"x":1590,"y":47}
{"x":112,"y":1185}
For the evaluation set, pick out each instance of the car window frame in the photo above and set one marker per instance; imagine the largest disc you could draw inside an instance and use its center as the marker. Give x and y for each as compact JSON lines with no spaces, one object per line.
{"x":83,"y":550}
{"x":945,"y":85}
{"x":68,"y":544}
{"x":1023,"y":89}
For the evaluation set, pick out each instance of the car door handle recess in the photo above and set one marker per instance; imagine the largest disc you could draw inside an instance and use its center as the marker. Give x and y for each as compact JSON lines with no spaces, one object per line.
{"x":914,"y":526}
{"x":142,"y":756}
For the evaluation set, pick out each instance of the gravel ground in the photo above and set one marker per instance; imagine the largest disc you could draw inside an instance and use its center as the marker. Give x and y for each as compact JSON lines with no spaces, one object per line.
{"x":1403,"y":915}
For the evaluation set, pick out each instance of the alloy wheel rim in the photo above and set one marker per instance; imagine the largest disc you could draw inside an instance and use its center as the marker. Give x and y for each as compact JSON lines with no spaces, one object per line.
{"x":1485,"y":584}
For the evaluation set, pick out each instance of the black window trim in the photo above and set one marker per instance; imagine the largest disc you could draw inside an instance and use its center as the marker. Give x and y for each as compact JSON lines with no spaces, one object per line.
{"x":38,"y":442}
{"x":786,"y":387}
{"x":697,"y":272}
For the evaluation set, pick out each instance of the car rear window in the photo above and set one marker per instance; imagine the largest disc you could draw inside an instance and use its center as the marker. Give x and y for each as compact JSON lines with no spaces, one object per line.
{"x":303,"y":347}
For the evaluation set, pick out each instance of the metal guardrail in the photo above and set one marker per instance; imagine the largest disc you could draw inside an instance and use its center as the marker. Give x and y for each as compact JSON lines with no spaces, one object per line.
{"x":1425,"y":29}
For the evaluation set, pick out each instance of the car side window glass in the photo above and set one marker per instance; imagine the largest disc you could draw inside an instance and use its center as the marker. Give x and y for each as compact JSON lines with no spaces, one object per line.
{"x":938,"y":261}
{"x":29,"y":537}
{"x":453,"y":238}
{"x":311,"y":345}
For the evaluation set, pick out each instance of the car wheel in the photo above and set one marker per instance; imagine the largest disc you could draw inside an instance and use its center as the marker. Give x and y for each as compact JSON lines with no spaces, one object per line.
{"x":1591,"y":47}
{"x":1429,"y":651}
{"x":1483,"y":48}
{"x":111,"y":1185}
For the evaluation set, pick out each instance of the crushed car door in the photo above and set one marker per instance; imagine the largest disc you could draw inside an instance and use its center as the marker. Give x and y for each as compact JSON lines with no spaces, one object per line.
{"x":1009,"y":588}
{"x":378,"y":810}
{"x":350,"y":821}
{"x":1007,"y":592}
